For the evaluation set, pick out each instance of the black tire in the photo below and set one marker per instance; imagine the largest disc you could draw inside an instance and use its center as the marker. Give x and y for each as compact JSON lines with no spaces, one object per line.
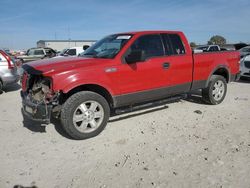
{"x":207,"y":93}
{"x":70,"y":107}
{"x":1,"y":87}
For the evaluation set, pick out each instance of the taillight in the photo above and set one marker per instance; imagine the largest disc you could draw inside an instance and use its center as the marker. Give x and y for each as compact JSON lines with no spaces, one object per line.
{"x":10,"y":63}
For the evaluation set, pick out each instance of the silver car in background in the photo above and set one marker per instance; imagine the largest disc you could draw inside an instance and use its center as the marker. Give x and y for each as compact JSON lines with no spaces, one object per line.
{"x":245,"y":66}
{"x":8,"y":70}
{"x":244,"y":51}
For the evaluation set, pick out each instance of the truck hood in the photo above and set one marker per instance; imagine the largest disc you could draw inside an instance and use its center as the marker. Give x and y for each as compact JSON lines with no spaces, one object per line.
{"x":55,"y":65}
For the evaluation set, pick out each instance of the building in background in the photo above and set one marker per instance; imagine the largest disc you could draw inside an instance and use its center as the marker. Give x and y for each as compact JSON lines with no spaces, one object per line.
{"x":59,"y":45}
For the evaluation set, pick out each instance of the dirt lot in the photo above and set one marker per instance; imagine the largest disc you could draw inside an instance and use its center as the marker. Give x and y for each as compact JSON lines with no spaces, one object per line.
{"x":183,"y":144}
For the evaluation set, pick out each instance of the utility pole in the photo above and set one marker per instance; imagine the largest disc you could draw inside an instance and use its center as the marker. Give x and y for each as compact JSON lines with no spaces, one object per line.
{"x":69,"y":35}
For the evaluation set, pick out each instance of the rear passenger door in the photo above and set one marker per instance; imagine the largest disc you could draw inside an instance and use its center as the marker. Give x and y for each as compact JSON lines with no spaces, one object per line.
{"x":179,"y":72}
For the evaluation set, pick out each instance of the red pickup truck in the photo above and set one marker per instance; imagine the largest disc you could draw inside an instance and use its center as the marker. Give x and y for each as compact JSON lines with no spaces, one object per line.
{"x":122,"y":70}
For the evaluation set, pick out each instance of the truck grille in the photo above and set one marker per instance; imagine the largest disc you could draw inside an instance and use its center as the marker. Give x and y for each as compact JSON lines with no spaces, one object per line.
{"x":247,"y":64}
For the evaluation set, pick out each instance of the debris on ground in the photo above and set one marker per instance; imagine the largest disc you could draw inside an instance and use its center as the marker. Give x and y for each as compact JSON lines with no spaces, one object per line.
{"x":198,"y":112}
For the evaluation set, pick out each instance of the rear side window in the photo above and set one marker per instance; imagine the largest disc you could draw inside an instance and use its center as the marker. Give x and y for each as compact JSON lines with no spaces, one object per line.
{"x":173,"y":44}
{"x":177,"y":45}
{"x":151,"y":45}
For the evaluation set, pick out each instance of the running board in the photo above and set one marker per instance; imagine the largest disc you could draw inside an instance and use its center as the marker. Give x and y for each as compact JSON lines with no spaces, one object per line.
{"x":149,"y":104}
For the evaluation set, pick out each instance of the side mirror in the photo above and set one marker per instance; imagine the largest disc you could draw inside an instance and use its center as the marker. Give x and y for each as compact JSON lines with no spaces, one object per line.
{"x":134,"y":56}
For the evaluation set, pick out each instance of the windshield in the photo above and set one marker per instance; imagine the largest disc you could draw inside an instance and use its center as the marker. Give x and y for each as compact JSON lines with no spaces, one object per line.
{"x":107,"y":47}
{"x":30,"y":52}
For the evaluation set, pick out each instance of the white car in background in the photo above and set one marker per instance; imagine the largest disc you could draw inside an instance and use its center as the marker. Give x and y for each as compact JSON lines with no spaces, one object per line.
{"x":73,"y":51}
{"x":245,"y":67}
{"x":244,"y":51}
{"x":207,"y":48}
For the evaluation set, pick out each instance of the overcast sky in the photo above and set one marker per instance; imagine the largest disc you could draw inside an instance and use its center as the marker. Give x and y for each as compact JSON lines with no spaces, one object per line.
{"x":24,"y":22}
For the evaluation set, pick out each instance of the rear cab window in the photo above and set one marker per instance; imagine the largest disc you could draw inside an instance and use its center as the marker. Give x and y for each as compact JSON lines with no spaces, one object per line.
{"x":215,"y":48}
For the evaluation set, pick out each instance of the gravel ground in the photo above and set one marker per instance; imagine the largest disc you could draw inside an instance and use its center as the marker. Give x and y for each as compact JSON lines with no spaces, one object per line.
{"x":182,"y":144}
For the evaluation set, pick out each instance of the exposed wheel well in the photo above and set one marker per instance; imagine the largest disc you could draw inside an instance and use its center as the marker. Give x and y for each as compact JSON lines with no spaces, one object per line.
{"x":222,"y":72}
{"x":90,"y":87}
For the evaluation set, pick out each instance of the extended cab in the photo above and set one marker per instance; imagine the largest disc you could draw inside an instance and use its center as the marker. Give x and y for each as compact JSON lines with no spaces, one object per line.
{"x":122,"y":70}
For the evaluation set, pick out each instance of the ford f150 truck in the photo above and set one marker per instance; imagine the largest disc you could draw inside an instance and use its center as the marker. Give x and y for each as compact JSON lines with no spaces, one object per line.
{"x":122,"y":70}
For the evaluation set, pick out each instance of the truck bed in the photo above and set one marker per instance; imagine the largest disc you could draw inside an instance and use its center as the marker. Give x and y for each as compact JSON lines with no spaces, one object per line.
{"x":207,"y":62}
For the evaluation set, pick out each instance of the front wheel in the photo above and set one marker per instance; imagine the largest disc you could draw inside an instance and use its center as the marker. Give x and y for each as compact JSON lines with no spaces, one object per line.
{"x":216,"y":90}
{"x":84,"y":115}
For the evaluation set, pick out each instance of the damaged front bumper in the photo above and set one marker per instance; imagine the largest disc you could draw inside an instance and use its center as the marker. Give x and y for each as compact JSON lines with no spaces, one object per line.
{"x":36,"y":111}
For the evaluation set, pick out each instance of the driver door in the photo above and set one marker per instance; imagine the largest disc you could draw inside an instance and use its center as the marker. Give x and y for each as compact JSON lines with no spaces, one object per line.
{"x":143,"y":79}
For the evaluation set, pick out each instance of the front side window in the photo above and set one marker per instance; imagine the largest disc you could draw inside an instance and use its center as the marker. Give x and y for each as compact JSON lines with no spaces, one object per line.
{"x":38,"y":52}
{"x":107,"y":47}
{"x":150,"y":45}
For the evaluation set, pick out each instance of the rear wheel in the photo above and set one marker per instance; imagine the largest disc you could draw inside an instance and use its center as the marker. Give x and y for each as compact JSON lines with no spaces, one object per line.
{"x":216,"y":90}
{"x":84,"y":115}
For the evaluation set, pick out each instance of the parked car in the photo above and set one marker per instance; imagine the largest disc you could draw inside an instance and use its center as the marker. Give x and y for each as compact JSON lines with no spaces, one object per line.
{"x":8,"y":70}
{"x":61,"y":53}
{"x":120,"y":73}
{"x":245,"y":67}
{"x":207,"y":48}
{"x":244,"y":51}
{"x":14,"y":59}
{"x":36,"y":54}
{"x":73,"y":51}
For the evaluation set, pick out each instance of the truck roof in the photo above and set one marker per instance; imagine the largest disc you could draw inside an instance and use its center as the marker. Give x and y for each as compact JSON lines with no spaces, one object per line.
{"x":150,"y":32}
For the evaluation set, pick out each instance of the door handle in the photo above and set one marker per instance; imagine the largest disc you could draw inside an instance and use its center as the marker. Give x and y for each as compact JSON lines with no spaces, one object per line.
{"x":166,"y":65}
